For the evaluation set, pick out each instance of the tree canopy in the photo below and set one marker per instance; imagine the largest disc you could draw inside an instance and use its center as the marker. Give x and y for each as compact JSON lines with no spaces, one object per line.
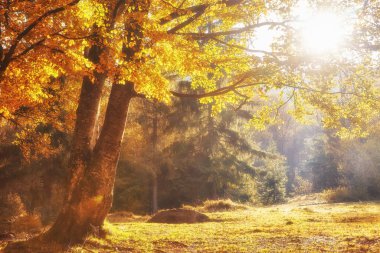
{"x":210,"y":43}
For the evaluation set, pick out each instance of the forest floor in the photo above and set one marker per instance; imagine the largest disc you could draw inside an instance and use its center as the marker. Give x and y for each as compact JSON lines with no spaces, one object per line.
{"x":299,"y":226}
{"x":294,"y":227}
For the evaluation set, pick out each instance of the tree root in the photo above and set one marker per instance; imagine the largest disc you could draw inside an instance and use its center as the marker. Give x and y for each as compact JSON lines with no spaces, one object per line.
{"x":35,"y":245}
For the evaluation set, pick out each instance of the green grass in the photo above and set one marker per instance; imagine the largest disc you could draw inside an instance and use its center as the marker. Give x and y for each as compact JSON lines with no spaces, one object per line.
{"x":353,"y":227}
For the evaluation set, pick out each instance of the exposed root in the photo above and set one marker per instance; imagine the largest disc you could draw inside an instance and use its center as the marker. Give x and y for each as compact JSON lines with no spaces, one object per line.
{"x":36,"y":244}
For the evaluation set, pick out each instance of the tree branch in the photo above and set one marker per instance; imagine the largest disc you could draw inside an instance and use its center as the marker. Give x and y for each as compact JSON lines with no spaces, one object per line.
{"x":233,"y":32}
{"x":213,"y":93}
{"x":235,"y":86}
{"x":272,"y":54}
{"x":285,"y":102}
{"x":188,"y":21}
{"x":194,"y":9}
{"x":13,"y":121}
{"x":171,"y":5}
{"x":28,"y":49}
{"x":330,"y":92}
{"x":8,"y":56}
{"x":245,"y":100}
{"x":115,"y":12}
{"x":92,"y":35}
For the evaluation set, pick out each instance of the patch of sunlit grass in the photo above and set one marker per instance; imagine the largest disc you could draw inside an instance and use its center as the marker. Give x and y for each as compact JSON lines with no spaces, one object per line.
{"x":293,"y":227}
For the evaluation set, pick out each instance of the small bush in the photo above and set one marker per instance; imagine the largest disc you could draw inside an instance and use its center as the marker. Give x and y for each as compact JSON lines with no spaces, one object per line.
{"x":343,"y":194}
{"x":302,"y":186}
{"x":221,"y":205}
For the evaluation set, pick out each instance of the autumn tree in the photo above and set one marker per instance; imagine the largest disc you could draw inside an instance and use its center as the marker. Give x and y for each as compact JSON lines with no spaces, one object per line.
{"x":135,"y":48}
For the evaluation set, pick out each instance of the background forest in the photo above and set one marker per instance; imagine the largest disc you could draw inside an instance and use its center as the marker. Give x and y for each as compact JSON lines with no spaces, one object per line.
{"x":185,"y":154}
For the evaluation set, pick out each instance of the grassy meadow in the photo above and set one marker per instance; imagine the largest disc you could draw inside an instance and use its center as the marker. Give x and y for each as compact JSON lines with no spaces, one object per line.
{"x":294,"y":227}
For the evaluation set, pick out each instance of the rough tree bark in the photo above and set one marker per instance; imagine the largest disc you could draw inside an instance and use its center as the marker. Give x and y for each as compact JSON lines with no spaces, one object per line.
{"x":87,"y":115}
{"x":92,"y":197}
{"x":92,"y":186}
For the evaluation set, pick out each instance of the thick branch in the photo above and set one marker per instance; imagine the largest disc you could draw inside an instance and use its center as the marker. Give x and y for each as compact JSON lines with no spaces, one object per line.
{"x":194,"y":9}
{"x":188,"y":21}
{"x":115,"y":12}
{"x":233,"y":32}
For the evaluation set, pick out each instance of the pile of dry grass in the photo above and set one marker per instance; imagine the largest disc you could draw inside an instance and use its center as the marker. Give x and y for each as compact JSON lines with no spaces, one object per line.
{"x":178,"y":216}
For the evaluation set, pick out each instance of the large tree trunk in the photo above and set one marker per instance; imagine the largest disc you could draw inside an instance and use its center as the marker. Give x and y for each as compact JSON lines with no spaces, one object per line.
{"x":92,"y":198}
{"x":92,"y":186}
{"x":87,"y":115}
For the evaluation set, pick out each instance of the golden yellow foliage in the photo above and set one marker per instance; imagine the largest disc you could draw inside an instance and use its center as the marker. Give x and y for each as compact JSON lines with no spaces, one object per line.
{"x":206,"y":42}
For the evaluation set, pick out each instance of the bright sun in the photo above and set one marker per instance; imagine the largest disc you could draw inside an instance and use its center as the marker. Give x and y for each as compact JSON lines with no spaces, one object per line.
{"x":324,"y":32}
{"x":319,"y":31}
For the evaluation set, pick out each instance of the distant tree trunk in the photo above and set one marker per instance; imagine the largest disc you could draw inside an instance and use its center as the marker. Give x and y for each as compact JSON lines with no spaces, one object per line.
{"x":214,"y":191}
{"x":155,"y":163}
{"x":92,"y":197}
{"x":154,"y":193}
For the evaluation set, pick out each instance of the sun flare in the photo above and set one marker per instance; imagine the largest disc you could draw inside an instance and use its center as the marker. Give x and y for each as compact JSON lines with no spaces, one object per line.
{"x":324,"y":32}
